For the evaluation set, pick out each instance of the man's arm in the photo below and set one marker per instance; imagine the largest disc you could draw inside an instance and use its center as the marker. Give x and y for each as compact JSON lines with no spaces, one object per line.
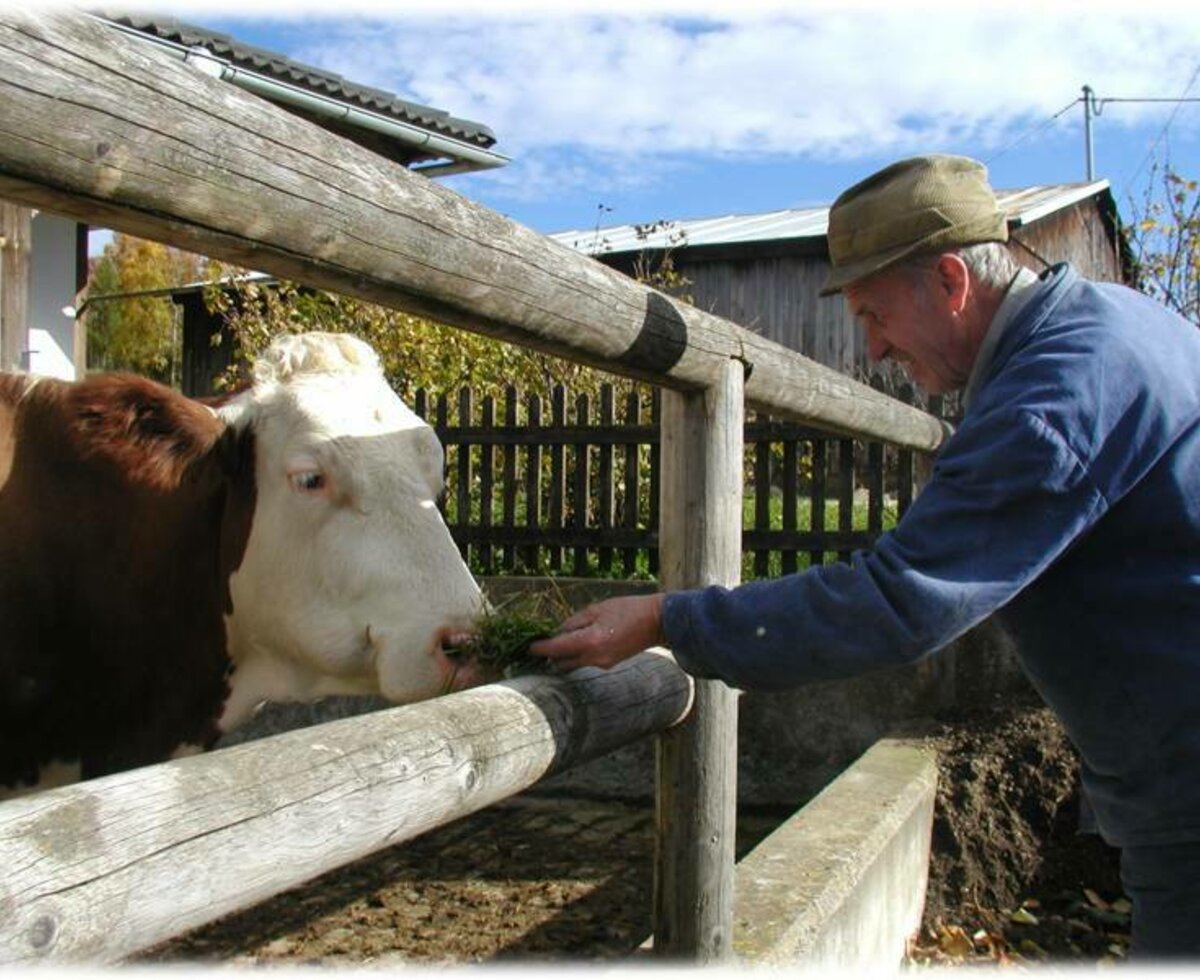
{"x":1006,"y":499}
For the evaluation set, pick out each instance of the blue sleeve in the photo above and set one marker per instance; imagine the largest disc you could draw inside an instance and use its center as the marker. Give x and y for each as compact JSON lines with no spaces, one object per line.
{"x":1007,"y":496}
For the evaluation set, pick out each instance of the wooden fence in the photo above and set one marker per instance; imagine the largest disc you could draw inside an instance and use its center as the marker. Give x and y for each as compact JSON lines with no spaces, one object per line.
{"x":96,"y":128}
{"x":563,"y":484}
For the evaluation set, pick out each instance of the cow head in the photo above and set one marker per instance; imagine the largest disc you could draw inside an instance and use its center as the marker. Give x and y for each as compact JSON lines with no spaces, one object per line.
{"x":349,"y":576}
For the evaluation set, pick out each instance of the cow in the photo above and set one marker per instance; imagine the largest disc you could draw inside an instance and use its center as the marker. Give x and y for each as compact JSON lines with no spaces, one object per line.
{"x":168,"y":565}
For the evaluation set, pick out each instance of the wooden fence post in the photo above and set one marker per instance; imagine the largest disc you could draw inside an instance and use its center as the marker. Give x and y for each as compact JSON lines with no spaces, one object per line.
{"x":702,"y":437}
{"x":15,"y":232}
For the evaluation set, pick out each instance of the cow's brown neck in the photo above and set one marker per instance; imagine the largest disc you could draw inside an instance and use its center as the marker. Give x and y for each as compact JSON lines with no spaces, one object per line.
{"x":124,"y":510}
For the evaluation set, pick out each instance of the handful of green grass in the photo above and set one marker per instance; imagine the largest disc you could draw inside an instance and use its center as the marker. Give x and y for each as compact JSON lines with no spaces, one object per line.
{"x":501,"y":637}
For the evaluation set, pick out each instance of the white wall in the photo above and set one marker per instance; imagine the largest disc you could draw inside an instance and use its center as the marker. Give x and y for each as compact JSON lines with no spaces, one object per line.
{"x":52,"y":287}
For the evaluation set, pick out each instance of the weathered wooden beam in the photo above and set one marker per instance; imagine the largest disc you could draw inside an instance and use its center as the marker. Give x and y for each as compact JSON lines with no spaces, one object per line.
{"x":697,"y":761}
{"x":15,"y":245}
{"x":99,"y":127}
{"x":98,"y":870}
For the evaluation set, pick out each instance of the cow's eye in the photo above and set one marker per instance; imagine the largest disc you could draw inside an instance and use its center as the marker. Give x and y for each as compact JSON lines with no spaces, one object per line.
{"x":307,"y":481}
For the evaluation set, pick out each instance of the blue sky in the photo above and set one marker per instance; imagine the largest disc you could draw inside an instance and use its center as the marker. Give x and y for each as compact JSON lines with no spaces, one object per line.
{"x":664,"y":110}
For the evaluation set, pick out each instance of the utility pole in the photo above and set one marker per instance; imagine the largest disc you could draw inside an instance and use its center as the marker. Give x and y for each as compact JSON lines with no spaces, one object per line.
{"x":1088,"y":103}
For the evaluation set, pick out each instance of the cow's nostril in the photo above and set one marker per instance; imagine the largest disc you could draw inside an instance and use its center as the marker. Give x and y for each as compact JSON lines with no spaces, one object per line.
{"x":372,"y":647}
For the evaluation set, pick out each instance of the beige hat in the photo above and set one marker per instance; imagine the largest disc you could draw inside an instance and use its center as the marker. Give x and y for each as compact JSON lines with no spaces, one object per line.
{"x":924,"y":204}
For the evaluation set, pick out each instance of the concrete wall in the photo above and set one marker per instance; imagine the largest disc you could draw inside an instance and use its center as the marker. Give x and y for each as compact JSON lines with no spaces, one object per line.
{"x":841,"y":884}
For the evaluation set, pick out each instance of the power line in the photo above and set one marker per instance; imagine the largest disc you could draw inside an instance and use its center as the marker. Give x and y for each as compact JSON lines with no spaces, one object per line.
{"x":1103,"y":102}
{"x":1170,"y":119}
{"x":1092,"y":103}
{"x":1021,"y":137}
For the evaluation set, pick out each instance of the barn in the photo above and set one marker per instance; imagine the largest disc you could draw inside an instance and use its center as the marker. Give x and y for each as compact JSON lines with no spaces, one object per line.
{"x":765,"y":271}
{"x":44,"y":256}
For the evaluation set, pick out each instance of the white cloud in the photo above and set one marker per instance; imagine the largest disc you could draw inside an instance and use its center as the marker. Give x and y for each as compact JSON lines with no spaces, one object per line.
{"x":782,"y":84}
{"x":566,"y":94}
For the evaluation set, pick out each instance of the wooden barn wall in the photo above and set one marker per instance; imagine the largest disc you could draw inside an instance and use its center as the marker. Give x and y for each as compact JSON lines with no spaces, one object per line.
{"x":777,"y":297}
{"x":1077,"y":235}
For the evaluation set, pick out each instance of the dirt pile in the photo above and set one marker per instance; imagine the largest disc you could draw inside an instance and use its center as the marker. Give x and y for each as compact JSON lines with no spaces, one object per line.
{"x":1010,"y":875}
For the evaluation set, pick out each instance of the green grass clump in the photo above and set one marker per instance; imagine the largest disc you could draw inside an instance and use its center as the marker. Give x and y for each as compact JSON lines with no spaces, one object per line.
{"x":501,"y":638}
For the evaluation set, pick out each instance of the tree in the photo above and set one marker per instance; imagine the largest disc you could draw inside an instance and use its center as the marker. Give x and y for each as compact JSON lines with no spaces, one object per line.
{"x":136,"y":332}
{"x":415,"y":352}
{"x":1165,"y":238}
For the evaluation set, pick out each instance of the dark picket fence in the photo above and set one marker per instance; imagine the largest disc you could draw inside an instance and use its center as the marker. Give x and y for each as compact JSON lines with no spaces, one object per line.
{"x":572,"y":486}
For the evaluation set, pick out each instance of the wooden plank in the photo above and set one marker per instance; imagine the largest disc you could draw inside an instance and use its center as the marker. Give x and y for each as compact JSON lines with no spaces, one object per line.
{"x":874,"y":488}
{"x":606,"y":512}
{"x":581,"y":485}
{"x":558,"y":472}
{"x":584,"y":538}
{"x":508,"y":482}
{"x":762,"y":500}
{"x":99,"y":127}
{"x":845,"y":491}
{"x":791,"y":492}
{"x":904,"y":463}
{"x":465,"y":477}
{"x":16,"y":234}
{"x":655,"y":471}
{"x":778,"y":539}
{"x":631,"y":499}
{"x":487,"y":477}
{"x":767,"y":429}
{"x":875,"y":477}
{"x":697,"y":761}
{"x":820,"y":487}
{"x":441,"y":414}
{"x":98,"y":870}
{"x":592,"y":538}
{"x":533,"y":480}
{"x":568,"y":435}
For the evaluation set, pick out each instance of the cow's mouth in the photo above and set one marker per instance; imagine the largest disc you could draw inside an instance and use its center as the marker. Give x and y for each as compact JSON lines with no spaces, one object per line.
{"x":459,"y":662}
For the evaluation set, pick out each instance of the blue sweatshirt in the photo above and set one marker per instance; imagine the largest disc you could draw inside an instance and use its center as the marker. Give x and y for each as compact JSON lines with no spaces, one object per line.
{"x":1068,"y":501}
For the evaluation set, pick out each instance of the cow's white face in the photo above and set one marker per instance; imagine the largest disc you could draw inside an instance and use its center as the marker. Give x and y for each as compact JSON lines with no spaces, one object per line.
{"x":349,"y":574}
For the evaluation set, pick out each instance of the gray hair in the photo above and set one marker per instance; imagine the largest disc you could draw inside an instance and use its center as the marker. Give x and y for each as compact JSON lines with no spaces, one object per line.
{"x":991,"y":264}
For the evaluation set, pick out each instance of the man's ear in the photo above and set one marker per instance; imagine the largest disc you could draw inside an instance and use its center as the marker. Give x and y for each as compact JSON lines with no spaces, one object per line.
{"x":954,"y":281}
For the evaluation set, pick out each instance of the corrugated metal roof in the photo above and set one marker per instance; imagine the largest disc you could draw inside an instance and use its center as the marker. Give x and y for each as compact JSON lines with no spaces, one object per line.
{"x":1023,"y":206}
{"x":271,"y":64}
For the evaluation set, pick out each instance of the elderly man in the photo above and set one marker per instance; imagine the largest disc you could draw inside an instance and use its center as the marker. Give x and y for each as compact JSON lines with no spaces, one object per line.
{"x":1068,"y":502}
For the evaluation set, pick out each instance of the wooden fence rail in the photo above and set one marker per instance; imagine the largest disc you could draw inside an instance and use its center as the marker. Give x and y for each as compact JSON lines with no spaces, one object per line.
{"x":99,"y":870}
{"x":95,"y":126}
{"x":575,"y":489}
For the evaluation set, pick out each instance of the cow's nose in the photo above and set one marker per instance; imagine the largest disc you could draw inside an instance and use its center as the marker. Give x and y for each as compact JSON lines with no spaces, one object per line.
{"x":454,"y":639}
{"x":458,"y":668}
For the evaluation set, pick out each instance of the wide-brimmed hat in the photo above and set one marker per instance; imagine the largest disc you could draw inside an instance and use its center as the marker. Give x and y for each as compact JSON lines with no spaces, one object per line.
{"x":928,"y":203}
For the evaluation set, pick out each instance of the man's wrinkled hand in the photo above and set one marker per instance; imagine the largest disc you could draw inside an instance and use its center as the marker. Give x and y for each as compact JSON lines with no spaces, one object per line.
{"x":604,"y":633}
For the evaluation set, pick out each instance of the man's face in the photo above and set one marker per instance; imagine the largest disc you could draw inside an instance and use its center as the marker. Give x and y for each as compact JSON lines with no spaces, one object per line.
{"x":907,"y":318}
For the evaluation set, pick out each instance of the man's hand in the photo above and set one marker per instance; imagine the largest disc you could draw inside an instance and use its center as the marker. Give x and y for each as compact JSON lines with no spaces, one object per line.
{"x":605,"y":633}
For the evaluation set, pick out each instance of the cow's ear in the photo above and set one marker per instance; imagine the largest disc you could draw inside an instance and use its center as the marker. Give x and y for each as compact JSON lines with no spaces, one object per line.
{"x":151,"y":433}
{"x":234,"y":457}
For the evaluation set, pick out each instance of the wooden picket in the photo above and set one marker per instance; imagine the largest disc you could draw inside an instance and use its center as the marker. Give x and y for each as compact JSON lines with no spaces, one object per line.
{"x":576,"y":489}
